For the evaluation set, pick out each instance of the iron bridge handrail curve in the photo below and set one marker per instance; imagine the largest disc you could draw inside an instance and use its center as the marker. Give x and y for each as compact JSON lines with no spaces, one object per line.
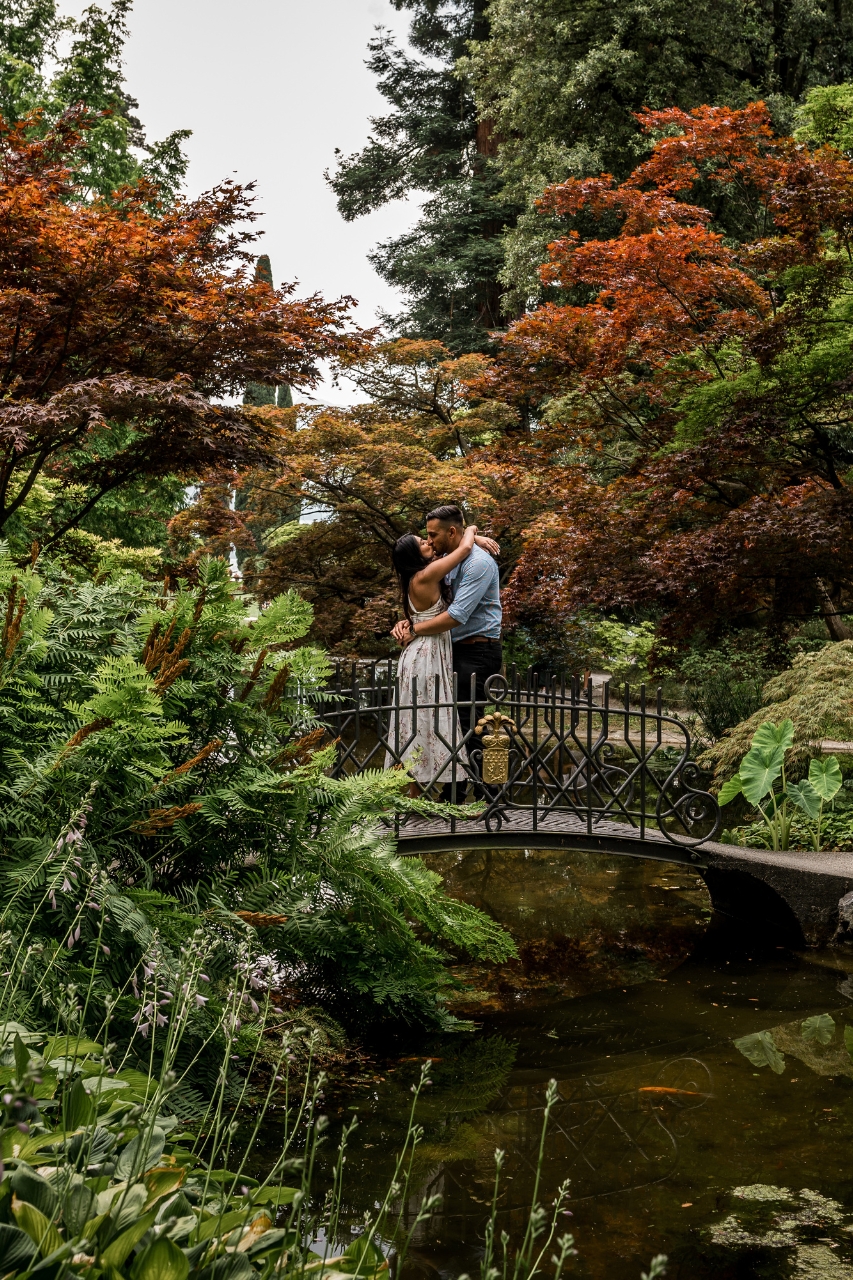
{"x":606,"y":761}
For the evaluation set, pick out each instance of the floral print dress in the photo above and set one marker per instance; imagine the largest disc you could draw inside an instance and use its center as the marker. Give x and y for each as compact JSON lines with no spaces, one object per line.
{"x":426,"y":756}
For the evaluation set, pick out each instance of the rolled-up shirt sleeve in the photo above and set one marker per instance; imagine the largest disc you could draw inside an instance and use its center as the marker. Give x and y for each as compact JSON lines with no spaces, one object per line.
{"x":470,"y":592}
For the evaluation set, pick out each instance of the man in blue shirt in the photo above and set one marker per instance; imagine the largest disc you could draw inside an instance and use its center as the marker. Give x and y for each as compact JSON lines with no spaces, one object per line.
{"x":473,"y":618}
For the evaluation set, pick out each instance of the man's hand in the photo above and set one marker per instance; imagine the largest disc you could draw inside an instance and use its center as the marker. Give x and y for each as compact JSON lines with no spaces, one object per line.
{"x":402,"y":631}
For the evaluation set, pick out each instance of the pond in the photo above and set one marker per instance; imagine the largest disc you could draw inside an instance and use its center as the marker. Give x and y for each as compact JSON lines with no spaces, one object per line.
{"x":682,"y":1128}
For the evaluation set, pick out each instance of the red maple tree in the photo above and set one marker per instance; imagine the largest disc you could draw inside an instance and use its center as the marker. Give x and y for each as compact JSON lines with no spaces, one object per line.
{"x":120,"y":319}
{"x":695,"y":425}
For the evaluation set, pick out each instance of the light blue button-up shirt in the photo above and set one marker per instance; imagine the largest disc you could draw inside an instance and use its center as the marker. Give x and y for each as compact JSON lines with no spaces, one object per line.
{"x":476,"y":602}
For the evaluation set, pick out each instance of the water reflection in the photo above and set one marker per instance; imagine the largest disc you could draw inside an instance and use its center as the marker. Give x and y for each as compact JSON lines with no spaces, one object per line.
{"x":612,"y":1132}
{"x":661,"y":1121}
{"x":582,"y":921}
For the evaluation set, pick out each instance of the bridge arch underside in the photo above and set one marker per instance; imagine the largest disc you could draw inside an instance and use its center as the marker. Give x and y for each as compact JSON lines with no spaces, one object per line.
{"x":791,"y":898}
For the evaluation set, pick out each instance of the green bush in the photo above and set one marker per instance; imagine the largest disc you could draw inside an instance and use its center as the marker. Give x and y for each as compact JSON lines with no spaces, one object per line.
{"x":724,"y":685}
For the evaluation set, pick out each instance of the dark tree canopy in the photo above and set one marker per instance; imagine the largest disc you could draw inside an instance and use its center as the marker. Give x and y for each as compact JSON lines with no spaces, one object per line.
{"x":495,"y":100}
{"x":560,"y":82}
{"x":431,"y":142}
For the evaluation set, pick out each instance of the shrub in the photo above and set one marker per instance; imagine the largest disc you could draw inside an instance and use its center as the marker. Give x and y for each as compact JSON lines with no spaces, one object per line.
{"x":815,"y":694}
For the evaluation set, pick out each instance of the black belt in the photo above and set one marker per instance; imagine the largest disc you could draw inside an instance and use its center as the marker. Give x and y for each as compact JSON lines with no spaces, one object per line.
{"x":478,"y":640}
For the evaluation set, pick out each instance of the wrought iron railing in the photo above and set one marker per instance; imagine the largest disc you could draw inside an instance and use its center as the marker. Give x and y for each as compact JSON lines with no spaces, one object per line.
{"x":565,"y":749}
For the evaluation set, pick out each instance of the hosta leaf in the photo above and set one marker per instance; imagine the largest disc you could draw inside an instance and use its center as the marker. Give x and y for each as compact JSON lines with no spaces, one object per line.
{"x":217,"y":1225}
{"x":141,"y":1154}
{"x":40,"y":1229}
{"x":22,"y":1057}
{"x":278,"y":1239}
{"x":16,"y":1146}
{"x":362,"y":1256}
{"x":760,"y":1049}
{"x":77,"y":1208}
{"x":820,"y":1028}
{"x":17,"y":1250}
{"x":161,"y":1260}
{"x":225,"y":1175}
{"x":236,"y":1266}
{"x":274,"y":1195}
{"x":70,"y":1047}
{"x":91,"y":1146}
{"x":119,"y":1250}
{"x":162,"y":1182}
{"x":256,"y":1229}
{"x":35,"y":1190}
{"x":8,"y":1031}
{"x":825,"y":777}
{"x":78,"y":1109}
{"x":128,"y":1206}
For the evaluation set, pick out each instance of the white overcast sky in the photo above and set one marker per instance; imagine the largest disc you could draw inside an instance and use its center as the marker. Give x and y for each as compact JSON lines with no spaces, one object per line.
{"x":269,"y":89}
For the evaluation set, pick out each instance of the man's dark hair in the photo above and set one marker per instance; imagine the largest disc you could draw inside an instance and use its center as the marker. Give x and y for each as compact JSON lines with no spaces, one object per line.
{"x":449,"y":514}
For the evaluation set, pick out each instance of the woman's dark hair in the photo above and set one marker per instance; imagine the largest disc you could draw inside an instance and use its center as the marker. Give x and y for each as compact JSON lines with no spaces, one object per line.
{"x":407,"y":560}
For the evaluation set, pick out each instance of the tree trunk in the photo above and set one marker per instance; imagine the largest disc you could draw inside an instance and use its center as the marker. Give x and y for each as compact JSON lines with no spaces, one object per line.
{"x":831,"y":614}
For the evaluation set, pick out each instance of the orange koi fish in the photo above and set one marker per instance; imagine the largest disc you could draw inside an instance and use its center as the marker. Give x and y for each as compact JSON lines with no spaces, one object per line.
{"x":679,"y":1093}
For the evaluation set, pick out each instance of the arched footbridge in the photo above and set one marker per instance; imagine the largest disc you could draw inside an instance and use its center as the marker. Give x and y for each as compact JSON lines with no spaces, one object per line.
{"x":567,"y":765}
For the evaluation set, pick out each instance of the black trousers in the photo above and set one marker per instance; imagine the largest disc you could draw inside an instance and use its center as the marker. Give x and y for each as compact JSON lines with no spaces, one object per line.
{"x":479,"y":660}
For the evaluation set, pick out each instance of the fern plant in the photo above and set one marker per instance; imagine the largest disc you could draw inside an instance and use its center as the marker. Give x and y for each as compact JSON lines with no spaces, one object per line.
{"x":162,"y":768}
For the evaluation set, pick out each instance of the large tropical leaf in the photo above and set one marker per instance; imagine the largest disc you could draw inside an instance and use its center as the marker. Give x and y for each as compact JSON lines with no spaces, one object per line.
{"x":759,"y":769}
{"x":760,"y":1049}
{"x":821,"y":1028}
{"x":768,"y":736}
{"x":825,"y":777}
{"x":805,"y":797}
{"x":730,"y":789}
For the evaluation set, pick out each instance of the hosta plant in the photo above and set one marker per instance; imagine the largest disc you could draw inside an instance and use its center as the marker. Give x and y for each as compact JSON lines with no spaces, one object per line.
{"x":108,"y":1187}
{"x":761,"y":780}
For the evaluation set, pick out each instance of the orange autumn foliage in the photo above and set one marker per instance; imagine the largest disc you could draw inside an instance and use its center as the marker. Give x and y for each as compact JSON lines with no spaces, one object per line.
{"x":693,"y":391}
{"x":120,"y":319}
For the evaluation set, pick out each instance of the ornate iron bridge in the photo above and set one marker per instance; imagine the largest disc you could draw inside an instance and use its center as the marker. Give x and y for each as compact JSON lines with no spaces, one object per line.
{"x":533,"y":757}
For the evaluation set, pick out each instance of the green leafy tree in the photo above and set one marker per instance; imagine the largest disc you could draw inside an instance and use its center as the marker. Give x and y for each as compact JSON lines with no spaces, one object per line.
{"x":559,"y":82}
{"x":54,"y":64}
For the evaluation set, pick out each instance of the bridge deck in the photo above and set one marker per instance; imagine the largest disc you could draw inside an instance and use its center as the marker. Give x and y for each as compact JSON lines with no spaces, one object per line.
{"x":810,"y":884}
{"x":559,"y":830}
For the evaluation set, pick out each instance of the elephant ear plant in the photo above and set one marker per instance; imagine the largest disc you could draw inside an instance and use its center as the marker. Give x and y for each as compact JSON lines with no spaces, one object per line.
{"x":762,"y":782}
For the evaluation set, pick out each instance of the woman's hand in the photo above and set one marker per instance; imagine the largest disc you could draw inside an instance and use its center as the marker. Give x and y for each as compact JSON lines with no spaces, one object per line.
{"x":402,"y":632}
{"x":488,"y":544}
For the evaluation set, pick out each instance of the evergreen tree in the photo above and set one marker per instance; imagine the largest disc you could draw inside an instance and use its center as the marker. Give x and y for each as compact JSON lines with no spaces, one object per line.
{"x":258,"y":393}
{"x":447,"y":265}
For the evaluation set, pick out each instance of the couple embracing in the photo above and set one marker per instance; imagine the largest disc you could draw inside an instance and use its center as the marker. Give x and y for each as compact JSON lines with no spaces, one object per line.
{"x":452,"y":605}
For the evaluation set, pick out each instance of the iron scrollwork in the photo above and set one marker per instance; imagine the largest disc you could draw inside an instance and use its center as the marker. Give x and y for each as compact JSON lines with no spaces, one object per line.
{"x":561,"y":753}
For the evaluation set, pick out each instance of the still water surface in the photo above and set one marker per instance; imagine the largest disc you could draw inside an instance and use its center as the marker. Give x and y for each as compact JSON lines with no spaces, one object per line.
{"x":632,"y":999}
